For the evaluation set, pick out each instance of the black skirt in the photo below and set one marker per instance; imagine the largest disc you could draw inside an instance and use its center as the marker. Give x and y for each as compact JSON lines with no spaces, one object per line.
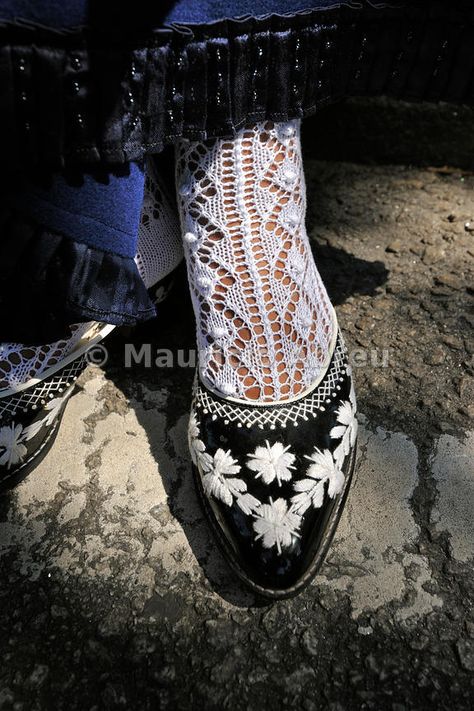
{"x":83,"y":97}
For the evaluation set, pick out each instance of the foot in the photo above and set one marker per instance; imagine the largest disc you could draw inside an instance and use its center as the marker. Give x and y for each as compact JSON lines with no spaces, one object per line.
{"x":273,"y":478}
{"x":37,"y":381}
{"x":272,"y":383}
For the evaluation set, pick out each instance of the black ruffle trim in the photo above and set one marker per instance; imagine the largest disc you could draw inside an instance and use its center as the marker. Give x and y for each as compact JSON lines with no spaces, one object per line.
{"x":82,"y":96}
{"x":48,"y":281}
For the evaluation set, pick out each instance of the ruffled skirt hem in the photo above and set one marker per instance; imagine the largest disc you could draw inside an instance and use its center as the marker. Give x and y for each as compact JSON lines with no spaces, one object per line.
{"x":48,"y":281}
{"x":82,"y":97}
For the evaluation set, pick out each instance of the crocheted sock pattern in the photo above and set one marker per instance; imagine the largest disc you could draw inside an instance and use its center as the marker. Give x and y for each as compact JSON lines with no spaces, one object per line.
{"x":159,"y":252}
{"x":160,"y":248}
{"x":264,"y":319}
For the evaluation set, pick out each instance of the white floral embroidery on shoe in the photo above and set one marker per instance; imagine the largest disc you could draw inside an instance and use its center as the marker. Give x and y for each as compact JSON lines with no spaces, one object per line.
{"x":346,"y":430}
{"x":276,"y":524}
{"x":12,"y":449}
{"x":219,"y":480}
{"x":53,"y":408}
{"x":324,"y":468}
{"x":248,"y":503}
{"x":272,"y":462}
{"x":196,"y":445}
{"x":193,"y":427}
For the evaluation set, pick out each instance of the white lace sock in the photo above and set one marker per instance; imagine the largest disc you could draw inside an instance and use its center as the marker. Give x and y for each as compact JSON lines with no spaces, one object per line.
{"x":160,"y":248}
{"x":264,"y":319}
{"x":159,"y":252}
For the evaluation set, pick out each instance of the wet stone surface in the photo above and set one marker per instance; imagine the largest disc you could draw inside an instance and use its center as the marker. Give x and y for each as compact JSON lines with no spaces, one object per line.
{"x":113,"y":594}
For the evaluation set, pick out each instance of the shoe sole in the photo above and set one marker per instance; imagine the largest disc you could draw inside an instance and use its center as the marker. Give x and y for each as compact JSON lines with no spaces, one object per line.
{"x":304,"y":581}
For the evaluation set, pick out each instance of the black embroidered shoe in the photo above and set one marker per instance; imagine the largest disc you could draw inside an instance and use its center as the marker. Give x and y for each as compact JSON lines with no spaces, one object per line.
{"x":273,"y":479}
{"x":30,"y":419}
{"x":30,"y":413}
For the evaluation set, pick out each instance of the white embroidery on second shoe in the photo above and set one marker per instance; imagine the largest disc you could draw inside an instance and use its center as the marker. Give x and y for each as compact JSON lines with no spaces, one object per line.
{"x":12,"y":449}
{"x":52,"y":409}
{"x":13,"y":436}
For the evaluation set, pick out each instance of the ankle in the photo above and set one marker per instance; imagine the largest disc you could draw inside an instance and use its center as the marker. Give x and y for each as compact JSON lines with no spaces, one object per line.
{"x":264,"y":321}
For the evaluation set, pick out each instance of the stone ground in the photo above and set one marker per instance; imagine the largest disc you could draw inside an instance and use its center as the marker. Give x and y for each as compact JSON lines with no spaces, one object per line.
{"x":114,"y":595}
